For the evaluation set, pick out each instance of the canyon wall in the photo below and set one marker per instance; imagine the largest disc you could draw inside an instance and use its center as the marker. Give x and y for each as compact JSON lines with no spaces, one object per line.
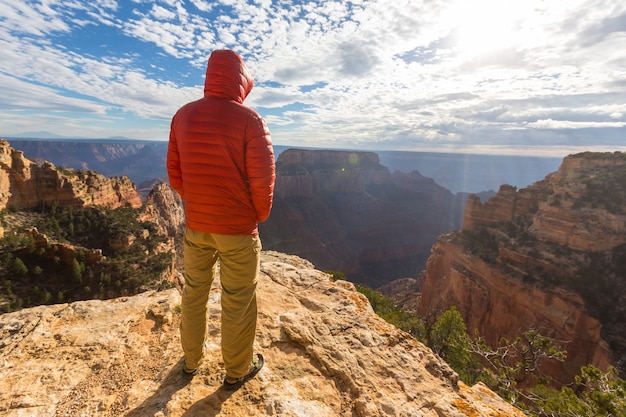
{"x":345,"y":212}
{"x":499,"y":305}
{"x":25,"y":184}
{"x":551,"y":257}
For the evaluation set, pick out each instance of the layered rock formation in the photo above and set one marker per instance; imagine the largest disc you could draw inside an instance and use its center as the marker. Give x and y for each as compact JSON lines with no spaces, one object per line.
{"x":57,"y":253}
{"x":25,"y":184}
{"x":346,"y":212}
{"x":138,"y":160}
{"x":343,"y":210}
{"x":327,"y":354}
{"x":551,"y":257}
{"x":165,"y":208}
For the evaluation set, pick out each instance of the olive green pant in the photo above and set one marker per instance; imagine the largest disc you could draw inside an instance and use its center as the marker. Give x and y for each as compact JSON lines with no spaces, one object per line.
{"x":239,"y":259}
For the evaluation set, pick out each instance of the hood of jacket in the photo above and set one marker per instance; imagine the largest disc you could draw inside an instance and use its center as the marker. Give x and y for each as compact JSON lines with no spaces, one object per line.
{"x":228,"y":76}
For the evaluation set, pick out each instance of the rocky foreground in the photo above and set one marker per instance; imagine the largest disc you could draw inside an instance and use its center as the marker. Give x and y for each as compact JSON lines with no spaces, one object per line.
{"x":327,"y":354}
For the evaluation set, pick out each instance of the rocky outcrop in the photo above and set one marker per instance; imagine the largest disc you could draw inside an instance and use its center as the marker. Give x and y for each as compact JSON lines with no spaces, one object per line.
{"x":571,"y":207}
{"x":26,"y":184}
{"x":587,"y":209}
{"x":66,"y":253}
{"x":138,"y":160}
{"x":164,"y":207}
{"x":346,"y":212}
{"x":507,"y":204}
{"x":327,"y":354}
{"x":549,"y":257}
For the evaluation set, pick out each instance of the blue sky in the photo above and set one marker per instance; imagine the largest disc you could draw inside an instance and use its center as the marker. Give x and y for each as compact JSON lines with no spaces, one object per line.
{"x":485,"y":76}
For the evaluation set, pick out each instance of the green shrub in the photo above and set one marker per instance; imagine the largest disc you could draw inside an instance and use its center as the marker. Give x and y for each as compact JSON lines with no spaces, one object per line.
{"x":19,"y":268}
{"x":410,"y":323}
{"x":449,"y":339}
{"x":594,"y":394}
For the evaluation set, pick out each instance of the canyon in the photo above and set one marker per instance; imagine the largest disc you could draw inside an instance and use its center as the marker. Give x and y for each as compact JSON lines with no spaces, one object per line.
{"x":346,"y":212}
{"x":550,"y":257}
{"x":327,"y":352}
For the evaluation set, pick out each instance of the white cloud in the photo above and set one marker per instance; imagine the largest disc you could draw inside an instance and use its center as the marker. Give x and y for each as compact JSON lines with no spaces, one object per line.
{"x":162,"y":13}
{"x":568,"y":124}
{"x":363,"y":72}
{"x":21,"y":17}
{"x":19,"y":96}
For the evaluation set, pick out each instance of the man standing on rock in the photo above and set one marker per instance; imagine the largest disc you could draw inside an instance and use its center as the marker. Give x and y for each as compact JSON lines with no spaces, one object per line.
{"x":221,"y":162}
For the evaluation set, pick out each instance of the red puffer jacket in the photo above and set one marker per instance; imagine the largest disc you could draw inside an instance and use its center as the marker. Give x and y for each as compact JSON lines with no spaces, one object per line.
{"x":220,"y":157}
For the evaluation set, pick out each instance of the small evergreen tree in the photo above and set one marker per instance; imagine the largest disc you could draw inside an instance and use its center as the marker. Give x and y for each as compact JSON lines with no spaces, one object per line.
{"x":595,"y":394}
{"x":449,"y":339}
{"x":77,"y":273}
{"x":19,"y":268}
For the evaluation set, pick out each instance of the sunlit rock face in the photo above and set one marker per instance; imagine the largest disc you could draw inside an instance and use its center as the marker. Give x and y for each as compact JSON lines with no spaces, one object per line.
{"x":165,"y":208}
{"x":551,"y":257}
{"x":327,"y":354}
{"x":580,"y":206}
{"x":25,"y":184}
{"x":142,"y":162}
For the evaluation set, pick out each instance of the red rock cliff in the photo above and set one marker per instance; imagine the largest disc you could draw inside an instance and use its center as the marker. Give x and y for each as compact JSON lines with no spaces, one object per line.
{"x":25,"y":184}
{"x":500,"y":305}
{"x":551,"y":256}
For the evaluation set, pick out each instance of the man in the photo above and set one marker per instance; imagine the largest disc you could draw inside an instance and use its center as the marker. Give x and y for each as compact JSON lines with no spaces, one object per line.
{"x":221,"y":162}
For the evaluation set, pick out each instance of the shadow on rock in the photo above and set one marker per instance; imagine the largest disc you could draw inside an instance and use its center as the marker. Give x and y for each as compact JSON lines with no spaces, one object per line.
{"x":209,"y":406}
{"x":173,"y":382}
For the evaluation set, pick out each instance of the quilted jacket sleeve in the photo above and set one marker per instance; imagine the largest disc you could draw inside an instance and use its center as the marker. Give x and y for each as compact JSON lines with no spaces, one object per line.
{"x":260,"y":167}
{"x":173,"y":164}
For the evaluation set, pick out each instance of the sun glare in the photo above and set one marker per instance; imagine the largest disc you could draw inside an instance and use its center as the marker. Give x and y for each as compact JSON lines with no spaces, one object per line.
{"x":485,"y":26}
